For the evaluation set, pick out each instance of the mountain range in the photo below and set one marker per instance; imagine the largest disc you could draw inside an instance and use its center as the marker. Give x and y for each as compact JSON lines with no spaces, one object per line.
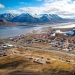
{"x":25,"y":17}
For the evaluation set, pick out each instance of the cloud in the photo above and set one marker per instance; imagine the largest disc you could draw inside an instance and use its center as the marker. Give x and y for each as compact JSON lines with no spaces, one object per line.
{"x":31,"y":10}
{"x":39,"y":0}
{"x":22,"y":3}
{"x":2,"y":6}
{"x":13,"y":11}
{"x":51,"y":1}
{"x":64,"y":8}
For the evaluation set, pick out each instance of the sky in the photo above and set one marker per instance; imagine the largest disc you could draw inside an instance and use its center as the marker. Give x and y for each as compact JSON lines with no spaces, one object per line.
{"x":63,"y":8}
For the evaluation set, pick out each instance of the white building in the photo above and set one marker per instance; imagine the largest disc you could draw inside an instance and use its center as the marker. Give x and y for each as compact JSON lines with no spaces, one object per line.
{"x":58,"y":31}
{"x":53,"y":34}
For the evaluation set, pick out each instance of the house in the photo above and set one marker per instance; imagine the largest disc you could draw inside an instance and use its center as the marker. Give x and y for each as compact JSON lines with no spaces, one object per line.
{"x":11,"y":39}
{"x":66,"y":49}
{"x":6,"y":45}
{"x":28,"y":41}
{"x":1,"y":51}
{"x":1,"y":54}
{"x":53,"y":34}
{"x":58,"y":31}
{"x":39,"y":61}
{"x":1,"y":43}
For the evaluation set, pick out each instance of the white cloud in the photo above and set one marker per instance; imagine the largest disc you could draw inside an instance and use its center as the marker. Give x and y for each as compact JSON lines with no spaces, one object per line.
{"x":13,"y":11}
{"x":2,"y":6}
{"x":31,"y":10}
{"x":22,"y":3}
{"x":64,"y":8}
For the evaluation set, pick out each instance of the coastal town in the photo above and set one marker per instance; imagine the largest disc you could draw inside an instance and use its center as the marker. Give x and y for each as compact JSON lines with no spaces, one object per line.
{"x":54,"y":38}
{"x":37,"y":37}
{"x":41,"y":48}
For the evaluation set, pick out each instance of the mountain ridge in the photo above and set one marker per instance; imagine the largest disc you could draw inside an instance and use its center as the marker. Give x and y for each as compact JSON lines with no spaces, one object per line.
{"x":26,"y":17}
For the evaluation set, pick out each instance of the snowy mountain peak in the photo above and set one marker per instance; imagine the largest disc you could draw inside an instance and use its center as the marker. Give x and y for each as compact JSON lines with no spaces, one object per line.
{"x":8,"y":16}
{"x":24,"y":15}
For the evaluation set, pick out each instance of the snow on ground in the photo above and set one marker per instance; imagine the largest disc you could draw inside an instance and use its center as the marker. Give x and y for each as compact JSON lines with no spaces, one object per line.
{"x":69,"y":32}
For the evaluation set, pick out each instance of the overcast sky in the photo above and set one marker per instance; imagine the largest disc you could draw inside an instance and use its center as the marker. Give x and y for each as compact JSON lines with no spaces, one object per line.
{"x":63,"y":8}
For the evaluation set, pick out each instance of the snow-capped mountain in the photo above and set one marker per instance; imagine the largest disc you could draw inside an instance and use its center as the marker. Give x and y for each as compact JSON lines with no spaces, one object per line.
{"x":8,"y":16}
{"x":25,"y":17}
{"x":45,"y":18}
{"x":37,"y":15}
{"x":50,"y":18}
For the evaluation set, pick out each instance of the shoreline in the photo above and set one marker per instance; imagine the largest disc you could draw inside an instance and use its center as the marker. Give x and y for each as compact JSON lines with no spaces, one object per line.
{"x":62,"y":29}
{"x":43,"y":26}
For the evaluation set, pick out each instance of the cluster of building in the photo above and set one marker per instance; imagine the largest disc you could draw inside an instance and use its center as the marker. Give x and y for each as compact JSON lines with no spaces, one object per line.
{"x":56,"y":38}
{"x":17,"y":38}
{"x":64,"y":44}
{"x":4,"y":47}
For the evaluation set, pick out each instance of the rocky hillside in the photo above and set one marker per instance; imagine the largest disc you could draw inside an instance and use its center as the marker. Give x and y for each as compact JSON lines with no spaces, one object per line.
{"x":4,"y":22}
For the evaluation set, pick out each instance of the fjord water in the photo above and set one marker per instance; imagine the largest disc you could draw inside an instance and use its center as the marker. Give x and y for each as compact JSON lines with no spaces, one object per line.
{"x":6,"y":32}
{"x":11,"y":31}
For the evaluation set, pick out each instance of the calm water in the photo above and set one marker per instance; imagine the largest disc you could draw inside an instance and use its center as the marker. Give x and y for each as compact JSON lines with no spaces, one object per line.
{"x":14,"y":31}
{"x":18,"y":30}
